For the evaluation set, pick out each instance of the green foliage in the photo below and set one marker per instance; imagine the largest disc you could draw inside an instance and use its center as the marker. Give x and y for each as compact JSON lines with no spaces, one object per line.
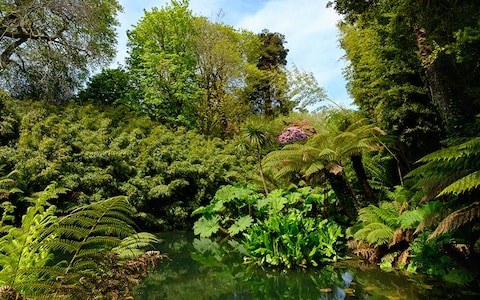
{"x":451,"y":170}
{"x":228,"y":211}
{"x":384,"y":232}
{"x":378,"y":223}
{"x":222,"y":60}
{"x":9,"y":122}
{"x":108,"y":87}
{"x":98,"y":152}
{"x":385,"y":79}
{"x":161,"y":53}
{"x":48,"y":48}
{"x":22,"y":257}
{"x":88,"y":236}
{"x":339,"y":140}
{"x":287,"y":240}
{"x":281,"y":229}
{"x":451,"y":173}
{"x":255,"y":139}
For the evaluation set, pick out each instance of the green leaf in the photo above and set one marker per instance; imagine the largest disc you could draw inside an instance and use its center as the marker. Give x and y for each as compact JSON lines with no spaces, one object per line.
{"x":206,"y":227}
{"x":240,"y":225}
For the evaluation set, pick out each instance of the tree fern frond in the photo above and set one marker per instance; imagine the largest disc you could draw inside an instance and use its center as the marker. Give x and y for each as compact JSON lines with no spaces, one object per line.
{"x":463,"y":185}
{"x":105,"y":241}
{"x":434,"y":214}
{"x":452,"y":170}
{"x":131,"y":246}
{"x":386,"y":212}
{"x":375,"y":234}
{"x":314,"y":168}
{"x":63,"y":245}
{"x":410,"y":218}
{"x":81,"y":266}
{"x":458,"y":218}
{"x":466,"y":149}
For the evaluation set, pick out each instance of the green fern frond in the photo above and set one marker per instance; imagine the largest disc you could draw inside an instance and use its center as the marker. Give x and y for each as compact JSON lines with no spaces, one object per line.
{"x":375,"y":234}
{"x":466,"y":149}
{"x":132,"y":246}
{"x":453,"y":170}
{"x":386,"y":212}
{"x":106,"y":241}
{"x":410,"y":218}
{"x":314,"y":168}
{"x":457,"y":219}
{"x":82,"y":266}
{"x":463,"y":185}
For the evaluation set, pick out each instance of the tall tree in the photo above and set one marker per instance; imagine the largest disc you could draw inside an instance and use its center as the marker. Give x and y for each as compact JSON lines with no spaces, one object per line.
{"x":47,"y":48}
{"x":269,"y":85}
{"x":443,"y":34}
{"x":108,"y":87}
{"x":384,"y":79}
{"x":162,"y":55}
{"x":221,"y":53}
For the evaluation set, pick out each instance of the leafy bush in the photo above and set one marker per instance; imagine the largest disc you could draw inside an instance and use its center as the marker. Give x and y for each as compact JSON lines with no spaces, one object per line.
{"x":291,"y":240}
{"x":98,"y":152}
{"x":282,"y":229}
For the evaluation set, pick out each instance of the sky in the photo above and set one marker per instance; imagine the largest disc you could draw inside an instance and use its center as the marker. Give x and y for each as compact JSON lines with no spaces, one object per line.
{"x":309,"y":28}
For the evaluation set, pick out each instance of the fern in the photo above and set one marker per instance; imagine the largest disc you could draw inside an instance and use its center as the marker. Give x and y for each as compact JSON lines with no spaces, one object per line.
{"x":375,"y":234}
{"x":377,"y":224}
{"x":91,"y":230}
{"x":458,"y":218}
{"x":463,"y":185}
{"x":88,"y":234}
{"x":132,"y":245}
{"x":21,"y":257}
{"x":453,"y":170}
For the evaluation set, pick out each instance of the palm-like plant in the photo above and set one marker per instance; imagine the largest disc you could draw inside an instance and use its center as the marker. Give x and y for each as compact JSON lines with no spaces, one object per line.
{"x":255,"y":137}
{"x":323,"y":156}
{"x":451,"y":174}
{"x":87,"y":235}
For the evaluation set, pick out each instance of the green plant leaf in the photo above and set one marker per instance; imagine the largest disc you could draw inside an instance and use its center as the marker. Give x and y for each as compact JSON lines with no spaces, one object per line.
{"x":206,"y":227}
{"x":240,"y":225}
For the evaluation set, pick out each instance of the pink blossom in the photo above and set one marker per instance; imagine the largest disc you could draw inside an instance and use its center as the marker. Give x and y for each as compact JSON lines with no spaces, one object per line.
{"x":291,"y":135}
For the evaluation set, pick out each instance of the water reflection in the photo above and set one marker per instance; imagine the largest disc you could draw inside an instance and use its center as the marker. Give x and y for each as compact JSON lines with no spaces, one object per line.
{"x":203,"y":269}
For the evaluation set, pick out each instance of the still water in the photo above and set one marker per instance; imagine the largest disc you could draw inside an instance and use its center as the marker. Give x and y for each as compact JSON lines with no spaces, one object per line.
{"x":201,"y":269}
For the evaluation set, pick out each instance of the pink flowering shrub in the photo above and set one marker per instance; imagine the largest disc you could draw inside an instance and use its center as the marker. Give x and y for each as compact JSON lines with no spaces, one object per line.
{"x":292,"y":134}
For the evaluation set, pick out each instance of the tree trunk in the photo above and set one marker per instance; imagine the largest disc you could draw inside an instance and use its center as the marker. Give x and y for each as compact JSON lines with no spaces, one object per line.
{"x":260,"y":170}
{"x":441,"y":99}
{"x":362,"y":178}
{"x":345,"y":195}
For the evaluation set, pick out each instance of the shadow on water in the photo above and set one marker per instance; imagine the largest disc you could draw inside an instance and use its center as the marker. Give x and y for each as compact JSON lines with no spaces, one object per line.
{"x":202,"y":269}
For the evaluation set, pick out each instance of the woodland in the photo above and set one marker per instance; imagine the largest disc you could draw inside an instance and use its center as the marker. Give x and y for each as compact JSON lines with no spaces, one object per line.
{"x":205,"y":128}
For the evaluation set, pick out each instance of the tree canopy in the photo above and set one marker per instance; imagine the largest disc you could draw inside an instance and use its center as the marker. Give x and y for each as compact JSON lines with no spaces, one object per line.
{"x":47,"y":48}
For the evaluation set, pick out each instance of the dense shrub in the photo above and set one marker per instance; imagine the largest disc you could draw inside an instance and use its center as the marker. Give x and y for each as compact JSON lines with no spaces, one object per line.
{"x":97,"y":152}
{"x":283,"y":229}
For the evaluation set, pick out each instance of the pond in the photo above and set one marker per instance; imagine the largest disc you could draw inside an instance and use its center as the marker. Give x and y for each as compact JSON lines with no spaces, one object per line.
{"x":202,"y":269}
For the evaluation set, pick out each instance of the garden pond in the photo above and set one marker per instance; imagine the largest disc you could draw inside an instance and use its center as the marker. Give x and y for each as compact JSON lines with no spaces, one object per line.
{"x":202,"y":269}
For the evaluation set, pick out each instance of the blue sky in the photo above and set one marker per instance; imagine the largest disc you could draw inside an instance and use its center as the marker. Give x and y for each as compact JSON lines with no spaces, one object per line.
{"x":309,"y":28}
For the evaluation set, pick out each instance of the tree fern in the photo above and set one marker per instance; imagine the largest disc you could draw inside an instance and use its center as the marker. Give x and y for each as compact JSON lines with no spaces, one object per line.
{"x":21,"y":258}
{"x":463,"y":185}
{"x":377,"y":224}
{"x":86,"y":235}
{"x":375,"y":234}
{"x":452,"y":170}
{"x":451,"y":173}
{"x":458,"y":218}
{"x":91,"y":230}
